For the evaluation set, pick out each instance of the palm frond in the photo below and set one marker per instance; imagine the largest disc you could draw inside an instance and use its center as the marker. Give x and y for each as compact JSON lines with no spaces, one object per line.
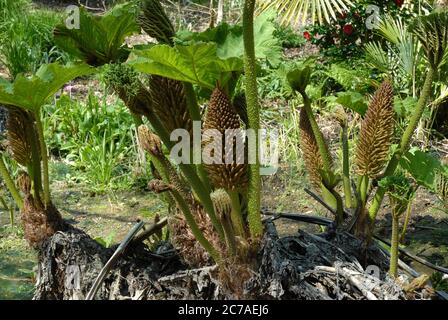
{"x":404,"y":45}
{"x":376,"y":56}
{"x":299,"y":11}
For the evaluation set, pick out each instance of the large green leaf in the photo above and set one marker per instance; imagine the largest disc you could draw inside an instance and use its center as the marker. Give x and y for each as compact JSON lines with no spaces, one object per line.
{"x":197,"y":63}
{"x":353,"y":101}
{"x":32,"y":92}
{"x":350,"y":79}
{"x":421,"y":165}
{"x":266,"y":45}
{"x":404,"y":107}
{"x":100,"y":39}
{"x":299,"y":78}
{"x":230,"y":39}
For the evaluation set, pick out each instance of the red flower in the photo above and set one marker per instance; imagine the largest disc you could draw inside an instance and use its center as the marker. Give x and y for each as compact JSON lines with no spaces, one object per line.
{"x":348,"y":29}
{"x":307,"y":35}
{"x":399,"y":2}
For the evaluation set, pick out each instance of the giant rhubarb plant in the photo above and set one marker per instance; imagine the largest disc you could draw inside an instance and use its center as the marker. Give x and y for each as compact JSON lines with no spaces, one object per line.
{"x":24,"y":99}
{"x":209,"y":203}
{"x":372,"y":157}
{"x":432,"y":32}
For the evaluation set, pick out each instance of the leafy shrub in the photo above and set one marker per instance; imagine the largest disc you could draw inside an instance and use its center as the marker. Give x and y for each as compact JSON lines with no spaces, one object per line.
{"x":288,"y":37}
{"x":347,"y":35}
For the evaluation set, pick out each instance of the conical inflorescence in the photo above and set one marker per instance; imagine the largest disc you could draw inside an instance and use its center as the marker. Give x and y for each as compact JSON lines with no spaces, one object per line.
{"x":169,"y":103}
{"x":19,"y":130}
{"x":149,"y":141}
{"x":376,"y":133}
{"x":229,"y":171}
{"x":155,"y":22}
{"x":310,"y":150}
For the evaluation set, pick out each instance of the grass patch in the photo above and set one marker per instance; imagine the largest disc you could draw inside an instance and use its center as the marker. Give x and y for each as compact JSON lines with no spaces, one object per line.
{"x":17,"y":261}
{"x":26,"y":37}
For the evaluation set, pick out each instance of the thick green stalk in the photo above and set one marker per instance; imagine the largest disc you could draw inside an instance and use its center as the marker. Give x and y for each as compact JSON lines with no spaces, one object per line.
{"x":253,"y":113}
{"x":161,"y":168}
{"x":204,"y":196}
{"x":3,"y":203}
{"x":11,"y":215}
{"x":339,"y":207}
{"x":230,"y":234}
{"x":236,"y":216}
{"x":44,"y":155}
{"x":363,"y":218}
{"x":192,"y":103}
{"x":422,"y":102}
{"x":405,"y":142}
{"x":326,"y":158}
{"x":203,"y":175}
{"x":406,"y":221}
{"x":163,"y":171}
{"x":195,"y":115}
{"x":7,"y":208}
{"x":195,"y":228}
{"x":190,"y":174}
{"x":346,"y":168}
{"x":394,"y":247}
{"x":10,"y":183}
{"x":363,"y":188}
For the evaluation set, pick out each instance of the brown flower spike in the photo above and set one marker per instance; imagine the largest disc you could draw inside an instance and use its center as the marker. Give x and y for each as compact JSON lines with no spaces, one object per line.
{"x":169,"y":103}
{"x":19,"y":128}
{"x":310,"y":150}
{"x":149,"y":141}
{"x":221,"y":116}
{"x":376,"y":133}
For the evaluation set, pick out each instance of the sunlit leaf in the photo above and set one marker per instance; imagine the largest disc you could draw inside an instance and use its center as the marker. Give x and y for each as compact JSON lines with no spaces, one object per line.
{"x":422,"y":166}
{"x":32,"y":92}
{"x":196,"y":63}
{"x":353,"y":101}
{"x":266,"y":45}
{"x":229,"y":39}
{"x":99,"y":39}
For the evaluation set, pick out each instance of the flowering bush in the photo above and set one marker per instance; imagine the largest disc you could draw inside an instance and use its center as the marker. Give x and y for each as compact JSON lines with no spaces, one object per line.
{"x":345,"y":37}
